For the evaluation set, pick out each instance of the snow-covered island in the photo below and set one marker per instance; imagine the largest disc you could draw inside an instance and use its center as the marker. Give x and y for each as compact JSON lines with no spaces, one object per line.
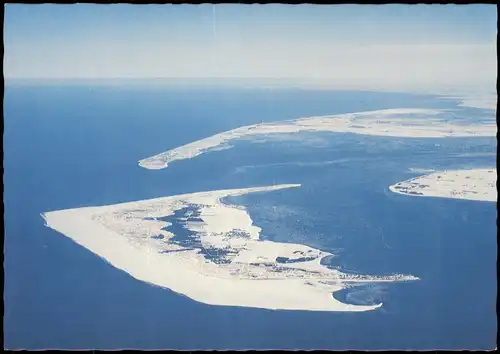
{"x":474,"y":184}
{"x":217,"y":259}
{"x":407,"y":122}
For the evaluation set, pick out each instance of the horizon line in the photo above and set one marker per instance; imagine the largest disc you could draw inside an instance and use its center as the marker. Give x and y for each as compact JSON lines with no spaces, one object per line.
{"x":326,"y":83}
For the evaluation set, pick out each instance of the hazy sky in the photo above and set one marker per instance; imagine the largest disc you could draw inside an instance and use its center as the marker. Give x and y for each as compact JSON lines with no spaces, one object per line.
{"x":389,"y":46}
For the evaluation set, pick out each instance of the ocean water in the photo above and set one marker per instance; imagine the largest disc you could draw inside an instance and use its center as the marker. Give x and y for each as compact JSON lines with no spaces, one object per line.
{"x":68,"y":146}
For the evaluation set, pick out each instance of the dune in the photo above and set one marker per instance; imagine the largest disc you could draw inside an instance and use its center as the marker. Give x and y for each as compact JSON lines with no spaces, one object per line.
{"x":247,"y":271}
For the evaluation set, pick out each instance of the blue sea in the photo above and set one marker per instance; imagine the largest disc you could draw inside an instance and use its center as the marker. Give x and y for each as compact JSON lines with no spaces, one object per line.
{"x":74,"y":145}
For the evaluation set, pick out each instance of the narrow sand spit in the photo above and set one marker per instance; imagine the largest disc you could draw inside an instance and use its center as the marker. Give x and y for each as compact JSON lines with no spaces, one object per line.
{"x":410,"y":122}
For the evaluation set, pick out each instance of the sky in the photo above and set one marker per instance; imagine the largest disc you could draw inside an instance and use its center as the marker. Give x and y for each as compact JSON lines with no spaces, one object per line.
{"x":399,"y":47}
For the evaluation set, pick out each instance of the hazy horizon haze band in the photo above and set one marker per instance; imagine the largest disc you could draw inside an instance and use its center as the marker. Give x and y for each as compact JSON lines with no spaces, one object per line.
{"x":434,"y":46}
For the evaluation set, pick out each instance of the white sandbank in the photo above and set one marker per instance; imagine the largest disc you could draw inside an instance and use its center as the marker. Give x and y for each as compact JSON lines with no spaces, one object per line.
{"x":484,"y":101}
{"x":251,"y":275}
{"x":474,"y":184}
{"x":411,"y":122}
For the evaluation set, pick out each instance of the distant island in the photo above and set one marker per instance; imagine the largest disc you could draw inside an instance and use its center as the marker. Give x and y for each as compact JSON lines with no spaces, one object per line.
{"x":403,"y":122}
{"x":474,"y":184}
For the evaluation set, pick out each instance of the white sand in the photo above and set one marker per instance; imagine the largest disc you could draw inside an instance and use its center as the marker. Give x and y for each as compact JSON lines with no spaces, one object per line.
{"x":252,"y":277}
{"x":421,"y":170}
{"x":485,"y":101}
{"x":413,"y":123}
{"x":475,"y":184}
